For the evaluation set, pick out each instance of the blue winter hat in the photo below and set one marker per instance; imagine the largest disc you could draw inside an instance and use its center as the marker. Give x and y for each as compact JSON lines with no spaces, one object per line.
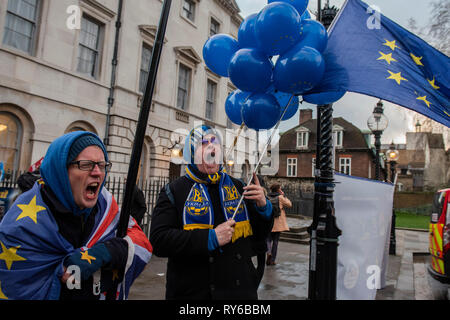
{"x":194,"y":139}
{"x":82,"y":143}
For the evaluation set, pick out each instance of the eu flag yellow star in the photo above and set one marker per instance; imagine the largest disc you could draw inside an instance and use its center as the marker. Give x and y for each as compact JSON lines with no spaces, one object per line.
{"x":390,"y":44}
{"x":433,"y":84}
{"x":387,"y":57}
{"x":9,"y":255}
{"x":85,"y":256}
{"x":2,"y":295}
{"x":30,"y":210}
{"x":417,"y":60}
{"x":424,"y":99}
{"x":396,"y":76}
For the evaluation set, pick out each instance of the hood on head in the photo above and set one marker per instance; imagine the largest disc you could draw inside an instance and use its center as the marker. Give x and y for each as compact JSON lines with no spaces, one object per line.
{"x":54,"y":169}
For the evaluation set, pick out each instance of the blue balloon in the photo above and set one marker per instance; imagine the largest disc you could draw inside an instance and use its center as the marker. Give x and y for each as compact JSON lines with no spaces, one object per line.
{"x":314,"y":35}
{"x":283,"y":99}
{"x":276,"y":28}
{"x":323,"y":97}
{"x":217,"y":53}
{"x":299,"y":5}
{"x":250,"y":70}
{"x":233,"y":105}
{"x":298,"y":70}
{"x":306,"y":15}
{"x":261,"y":111}
{"x":246,"y":33}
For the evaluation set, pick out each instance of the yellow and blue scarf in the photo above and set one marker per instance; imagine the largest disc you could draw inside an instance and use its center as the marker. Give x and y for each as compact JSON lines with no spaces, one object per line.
{"x":198,"y":210}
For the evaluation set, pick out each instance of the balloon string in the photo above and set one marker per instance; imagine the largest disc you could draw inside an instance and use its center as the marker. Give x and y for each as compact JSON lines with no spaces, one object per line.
{"x":231,"y":149}
{"x":262,"y":154}
{"x":238,"y":133}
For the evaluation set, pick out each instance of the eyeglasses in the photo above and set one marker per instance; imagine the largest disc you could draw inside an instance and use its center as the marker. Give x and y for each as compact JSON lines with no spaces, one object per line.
{"x":212,"y":140}
{"x":88,"y":165}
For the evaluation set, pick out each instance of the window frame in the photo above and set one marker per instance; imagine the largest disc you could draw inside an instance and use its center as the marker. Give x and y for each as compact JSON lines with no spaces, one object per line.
{"x":216,"y":22}
{"x":193,"y":4}
{"x":33,"y":44}
{"x":95,"y":74}
{"x":214,"y":102}
{"x":291,"y":167}
{"x":343,"y":166}
{"x":19,"y":136}
{"x":189,"y":85}
{"x":304,"y":140}
{"x":145,"y":46}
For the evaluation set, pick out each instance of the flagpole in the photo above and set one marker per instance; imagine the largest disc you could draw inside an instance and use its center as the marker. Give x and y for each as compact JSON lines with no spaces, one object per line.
{"x":142,"y":122}
{"x":262,"y":154}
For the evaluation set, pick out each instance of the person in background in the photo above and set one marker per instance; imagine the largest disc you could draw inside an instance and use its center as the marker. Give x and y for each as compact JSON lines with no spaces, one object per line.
{"x":280,"y":222}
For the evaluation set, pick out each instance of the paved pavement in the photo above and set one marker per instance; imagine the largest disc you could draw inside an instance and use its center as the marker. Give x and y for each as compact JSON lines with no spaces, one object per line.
{"x":407,"y":278}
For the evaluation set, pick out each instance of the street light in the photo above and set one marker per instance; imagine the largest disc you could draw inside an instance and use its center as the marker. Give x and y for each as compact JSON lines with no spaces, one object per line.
{"x":392,"y":156}
{"x":377,"y":123}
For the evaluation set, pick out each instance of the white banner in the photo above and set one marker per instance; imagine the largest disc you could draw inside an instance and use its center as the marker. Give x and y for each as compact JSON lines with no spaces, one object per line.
{"x":363,"y":211}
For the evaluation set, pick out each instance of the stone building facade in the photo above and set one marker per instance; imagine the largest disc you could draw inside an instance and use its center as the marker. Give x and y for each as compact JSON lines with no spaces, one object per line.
{"x":423,"y":164}
{"x":60,"y":72}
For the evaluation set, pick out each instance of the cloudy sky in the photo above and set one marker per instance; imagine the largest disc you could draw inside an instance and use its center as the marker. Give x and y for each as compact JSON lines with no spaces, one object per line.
{"x":354,"y":107}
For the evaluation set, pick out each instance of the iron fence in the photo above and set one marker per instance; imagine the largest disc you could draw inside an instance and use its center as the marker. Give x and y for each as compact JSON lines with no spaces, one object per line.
{"x":302,"y":202}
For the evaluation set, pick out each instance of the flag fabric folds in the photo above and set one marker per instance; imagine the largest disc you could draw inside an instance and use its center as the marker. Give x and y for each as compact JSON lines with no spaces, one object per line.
{"x":32,"y":250}
{"x":369,"y":54}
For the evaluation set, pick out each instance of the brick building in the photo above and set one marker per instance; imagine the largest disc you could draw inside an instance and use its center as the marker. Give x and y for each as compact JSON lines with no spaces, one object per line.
{"x":354,"y":154}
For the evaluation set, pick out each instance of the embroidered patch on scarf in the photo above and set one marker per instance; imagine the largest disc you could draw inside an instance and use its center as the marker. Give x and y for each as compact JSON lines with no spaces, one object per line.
{"x":198,"y":211}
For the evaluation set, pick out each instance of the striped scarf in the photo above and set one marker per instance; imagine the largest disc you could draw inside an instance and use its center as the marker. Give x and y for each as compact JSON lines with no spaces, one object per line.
{"x":198,"y":210}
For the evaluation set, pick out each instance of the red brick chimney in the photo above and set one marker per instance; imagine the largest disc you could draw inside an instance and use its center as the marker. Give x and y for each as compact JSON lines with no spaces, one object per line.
{"x":305,"y":115}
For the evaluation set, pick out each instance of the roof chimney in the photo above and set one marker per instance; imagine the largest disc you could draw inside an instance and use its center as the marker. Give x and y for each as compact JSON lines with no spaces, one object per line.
{"x":305,"y":115}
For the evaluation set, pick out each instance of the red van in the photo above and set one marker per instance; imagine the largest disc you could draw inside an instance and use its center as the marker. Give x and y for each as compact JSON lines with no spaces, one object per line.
{"x":440,"y":236}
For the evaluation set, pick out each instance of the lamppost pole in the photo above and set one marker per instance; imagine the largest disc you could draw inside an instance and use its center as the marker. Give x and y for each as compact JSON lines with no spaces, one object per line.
{"x":323,"y":231}
{"x":377,"y":123}
{"x":393,"y":156}
{"x":393,"y":241}
{"x":377,"y":135}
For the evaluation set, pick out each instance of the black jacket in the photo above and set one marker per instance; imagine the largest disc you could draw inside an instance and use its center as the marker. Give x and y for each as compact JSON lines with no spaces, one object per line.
{"x":192,"y":271}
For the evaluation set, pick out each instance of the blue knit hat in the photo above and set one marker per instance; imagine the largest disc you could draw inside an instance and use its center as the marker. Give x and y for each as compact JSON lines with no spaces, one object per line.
{"x":194,"y":139}
{"x":80,"y":144}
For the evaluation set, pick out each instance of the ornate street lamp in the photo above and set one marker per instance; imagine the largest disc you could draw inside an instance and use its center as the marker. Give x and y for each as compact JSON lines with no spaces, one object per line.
{"x":377,"y":123}
{"x":392,"y":157}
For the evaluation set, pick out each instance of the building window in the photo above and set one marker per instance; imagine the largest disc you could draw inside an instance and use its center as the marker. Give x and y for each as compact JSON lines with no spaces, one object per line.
{"x":338,"y":138}
{"x":184,"y":83}
{"x":189,"y":9}
{"x":89,"y":47}
{"x":302,"y":139}
{"x":214,"y":27}
{"x":10,"y":137}
{"x":145,"y":66}
{"x":210,"y":99}
{"x":345,"y":166}
{"x":21,"y":24}
{"x":291,"y":167}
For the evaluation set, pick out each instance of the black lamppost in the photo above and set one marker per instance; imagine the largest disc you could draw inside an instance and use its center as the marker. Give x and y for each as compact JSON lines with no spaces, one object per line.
{"x":392,"y":156}
{"x":377,"y":123}
{"x":323,"y":231}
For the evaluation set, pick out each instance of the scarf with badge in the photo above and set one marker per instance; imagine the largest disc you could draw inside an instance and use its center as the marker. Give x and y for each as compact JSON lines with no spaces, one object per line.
{"x":198,"y":210}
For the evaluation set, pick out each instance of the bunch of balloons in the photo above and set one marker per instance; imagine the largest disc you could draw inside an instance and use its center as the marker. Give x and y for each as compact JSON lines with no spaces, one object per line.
{"x":277,"y":57}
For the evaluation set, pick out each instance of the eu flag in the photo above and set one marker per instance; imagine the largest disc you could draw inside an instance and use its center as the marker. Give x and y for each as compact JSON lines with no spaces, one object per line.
{"x":368,"y":53}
